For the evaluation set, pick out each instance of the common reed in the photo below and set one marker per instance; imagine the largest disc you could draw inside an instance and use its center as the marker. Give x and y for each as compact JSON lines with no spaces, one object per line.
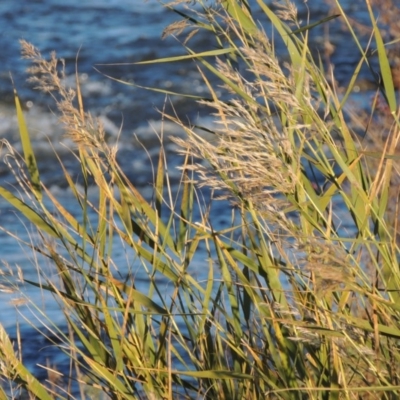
{"x":301,"y":296}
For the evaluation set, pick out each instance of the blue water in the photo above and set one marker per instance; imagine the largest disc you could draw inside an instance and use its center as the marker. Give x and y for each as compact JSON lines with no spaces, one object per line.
{"x":104,"y":32}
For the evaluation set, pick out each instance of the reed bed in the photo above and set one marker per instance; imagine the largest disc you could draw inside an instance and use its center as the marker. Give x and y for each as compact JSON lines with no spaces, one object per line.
{"x":301,"y":299}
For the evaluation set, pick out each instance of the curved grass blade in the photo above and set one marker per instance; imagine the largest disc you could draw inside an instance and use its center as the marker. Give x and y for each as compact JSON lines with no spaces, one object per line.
{"x":192,"y":56}
{"x":384,"y":64}
{"x":243,"y":18}
{"x":8,"y":357}
{"x":152,"y":89}
{"x":29,"y":155}
{"x":29,"y":213}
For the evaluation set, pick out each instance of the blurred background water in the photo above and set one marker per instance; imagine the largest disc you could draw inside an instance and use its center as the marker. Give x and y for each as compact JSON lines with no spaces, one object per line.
{"x":109,"y":32}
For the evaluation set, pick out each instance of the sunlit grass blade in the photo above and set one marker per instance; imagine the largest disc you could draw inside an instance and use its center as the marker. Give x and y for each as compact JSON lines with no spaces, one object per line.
{"x":29,"y":155}
{"x":243,"y":18}
{"x":384,"y":64}
{"x":186,"y":211}
{"x":3,"y":395}
{"x":192,"y":56}
{"x":28,"y":212}
{"x":10,"y":361}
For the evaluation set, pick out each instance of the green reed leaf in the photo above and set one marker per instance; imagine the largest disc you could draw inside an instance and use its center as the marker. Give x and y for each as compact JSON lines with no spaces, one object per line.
{"x":114,"y":383}
{"x":192,"y":56}
{"x":384,"y":64}
{"x":3,"y":395}
{"x":214,"y":374}
{"x":159,"y":184}
{"x":36,"y":219}
{"x":21,"y":374}
{"x":314,"y":24}
{"x":29,"y":155}
{"x":243,"y":18}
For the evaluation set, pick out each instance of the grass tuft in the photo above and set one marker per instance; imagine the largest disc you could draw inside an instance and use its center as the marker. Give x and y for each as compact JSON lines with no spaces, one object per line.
{"x":297,"y":299}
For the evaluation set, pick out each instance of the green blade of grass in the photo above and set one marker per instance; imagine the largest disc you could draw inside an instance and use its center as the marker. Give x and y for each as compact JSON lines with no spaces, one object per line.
{"x":285,"y":32}
{"x":314,"y":24}
{"x":19,"y":371}
{"x":186,"y":206}
{"x":214,"y":374}
{"x":29,"y":155}
{"x":159,"y":184}
{"x":192,"y":56}
{"x":29,"y":213}
{"x":384,"y":64}
{"x":114,"y":383}
{"x":243,"y":18}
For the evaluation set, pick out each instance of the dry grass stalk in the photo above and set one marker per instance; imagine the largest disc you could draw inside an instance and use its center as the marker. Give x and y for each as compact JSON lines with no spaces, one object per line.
{"x":251,"y":150}
{"x":48,"y":76}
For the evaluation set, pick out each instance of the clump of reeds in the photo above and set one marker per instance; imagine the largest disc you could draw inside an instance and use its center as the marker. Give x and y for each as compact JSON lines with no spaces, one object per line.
{"x":301,"y":297}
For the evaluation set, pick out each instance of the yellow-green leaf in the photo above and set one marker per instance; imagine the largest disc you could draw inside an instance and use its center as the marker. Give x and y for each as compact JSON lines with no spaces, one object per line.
{"x":29,"y":155}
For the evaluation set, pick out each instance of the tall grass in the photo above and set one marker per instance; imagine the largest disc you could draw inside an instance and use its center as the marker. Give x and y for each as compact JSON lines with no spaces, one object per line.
{"x":301,"y":297}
